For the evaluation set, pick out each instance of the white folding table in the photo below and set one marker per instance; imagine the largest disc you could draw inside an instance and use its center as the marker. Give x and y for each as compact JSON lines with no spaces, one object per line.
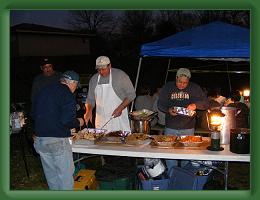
{"x":146,"y":151}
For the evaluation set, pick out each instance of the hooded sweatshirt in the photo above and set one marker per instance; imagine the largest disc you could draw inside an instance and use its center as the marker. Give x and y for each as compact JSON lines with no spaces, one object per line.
{"x":171,"y":96}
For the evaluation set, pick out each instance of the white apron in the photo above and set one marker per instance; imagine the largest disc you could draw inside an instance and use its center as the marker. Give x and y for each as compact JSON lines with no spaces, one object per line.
{"x":106,"y":102}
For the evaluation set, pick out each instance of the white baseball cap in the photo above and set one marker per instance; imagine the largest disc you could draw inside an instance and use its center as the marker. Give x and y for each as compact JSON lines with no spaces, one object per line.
{"x":183,"y":72}
{"x":102,"y":62}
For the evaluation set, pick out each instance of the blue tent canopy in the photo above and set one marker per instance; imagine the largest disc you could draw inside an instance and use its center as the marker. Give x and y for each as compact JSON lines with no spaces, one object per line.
{"x":213,"y":40}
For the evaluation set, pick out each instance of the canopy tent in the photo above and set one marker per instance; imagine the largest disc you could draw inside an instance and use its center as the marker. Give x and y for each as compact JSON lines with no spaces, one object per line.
{"x":213,"y":40}
{"x":216,"y":41}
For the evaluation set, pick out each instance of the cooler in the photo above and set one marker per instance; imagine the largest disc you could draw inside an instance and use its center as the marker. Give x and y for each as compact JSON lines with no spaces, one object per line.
{"x":85,"y":180}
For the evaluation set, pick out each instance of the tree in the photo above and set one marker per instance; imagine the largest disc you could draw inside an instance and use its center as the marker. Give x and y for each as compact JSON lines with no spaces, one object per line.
{"x":136,"y":28}
{"x":93,"y":21}
{"x":102,"y":23}
{"x":165,"y":25}
{"x":238,"y":17}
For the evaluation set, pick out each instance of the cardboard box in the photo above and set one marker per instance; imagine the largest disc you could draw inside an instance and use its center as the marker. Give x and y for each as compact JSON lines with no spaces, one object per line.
{"x":85,"y":180}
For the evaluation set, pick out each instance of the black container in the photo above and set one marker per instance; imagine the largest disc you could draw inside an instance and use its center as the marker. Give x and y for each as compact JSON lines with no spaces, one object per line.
{"x":240,"y":140}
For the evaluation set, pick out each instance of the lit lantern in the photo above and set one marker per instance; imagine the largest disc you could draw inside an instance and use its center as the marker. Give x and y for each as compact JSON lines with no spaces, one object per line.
{"x":246,"y":93}
{"x":215,"y":119}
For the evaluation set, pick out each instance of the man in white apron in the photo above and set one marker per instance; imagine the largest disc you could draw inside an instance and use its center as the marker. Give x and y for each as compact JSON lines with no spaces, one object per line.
{"x":111,"y":91}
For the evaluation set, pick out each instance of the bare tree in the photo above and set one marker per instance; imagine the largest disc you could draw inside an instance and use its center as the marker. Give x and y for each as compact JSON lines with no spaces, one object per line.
{"x":171,"y":21}
{"x":239,"y":17}
{"x":165,"y":24}
{"x":138,"y":25}
{"x":93,"y":21}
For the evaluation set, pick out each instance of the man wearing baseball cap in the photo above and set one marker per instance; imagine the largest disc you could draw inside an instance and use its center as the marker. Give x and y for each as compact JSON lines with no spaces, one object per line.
{"x":40,"y":81}
{"x":181,"y":93}
{"x":111,"y":91}
{"x":48,"y":76}
{"x":54,"y":113}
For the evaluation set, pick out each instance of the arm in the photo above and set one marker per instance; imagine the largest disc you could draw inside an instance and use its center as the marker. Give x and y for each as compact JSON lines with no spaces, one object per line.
{"x":90,"y":103}
{"x":123,"y":86}
{"x":88,"y":114}
{"x":118,"y":111}
{"x":124,"y":89}
{"x":68,"y":112}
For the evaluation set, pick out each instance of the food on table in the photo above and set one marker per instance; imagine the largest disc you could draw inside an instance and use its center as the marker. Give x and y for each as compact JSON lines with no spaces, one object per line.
{"x":137,"y":139}
{"x":190,"y":139}
{"x":164,"y":138}
{"x":88,"y":134}
{"x":136,"y":136}
{"x":114,"y":134}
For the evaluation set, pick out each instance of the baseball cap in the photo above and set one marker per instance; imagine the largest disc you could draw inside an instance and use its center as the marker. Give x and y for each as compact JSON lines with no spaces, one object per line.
{"x":71,"y":75}
{"x":45,"y":61}
{"x":183,"y":72}
{"x":102,"y":62}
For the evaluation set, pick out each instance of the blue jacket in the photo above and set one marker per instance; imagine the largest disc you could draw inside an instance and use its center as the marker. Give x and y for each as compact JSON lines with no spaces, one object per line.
{"x":54,"y":111}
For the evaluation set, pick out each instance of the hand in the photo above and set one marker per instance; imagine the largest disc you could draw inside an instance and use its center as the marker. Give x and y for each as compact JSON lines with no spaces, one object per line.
{"x":34,"y":137}
{"x":73,"y":130}
{"x":172,"y":112}
{"x":117,"y":112}
{"x":192,"y":106}
{"x":81,"y":121}
{"x":88,"y":117}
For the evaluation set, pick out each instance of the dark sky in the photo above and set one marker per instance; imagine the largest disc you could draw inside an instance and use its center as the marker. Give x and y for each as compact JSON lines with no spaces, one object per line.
{"x":55,"y":18}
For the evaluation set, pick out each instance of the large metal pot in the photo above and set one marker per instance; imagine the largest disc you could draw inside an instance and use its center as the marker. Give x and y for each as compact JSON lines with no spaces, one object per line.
{"x":141,"y":125}
{"x":240,"y":140}
{"x":229,"y":123}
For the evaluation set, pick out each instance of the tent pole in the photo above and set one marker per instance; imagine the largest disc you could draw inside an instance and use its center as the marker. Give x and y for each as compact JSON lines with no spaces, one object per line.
{"x":230,"y":87}
{"x":136,"y":81}
{"x":169,"y":63}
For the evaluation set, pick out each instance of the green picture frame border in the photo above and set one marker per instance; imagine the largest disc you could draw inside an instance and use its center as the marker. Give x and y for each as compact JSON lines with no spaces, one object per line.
{"x":7,"y":5}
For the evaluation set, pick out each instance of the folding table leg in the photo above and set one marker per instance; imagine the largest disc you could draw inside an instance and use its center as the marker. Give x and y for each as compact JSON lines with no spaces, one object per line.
{"x":226,"y":175}
{"x":21,"y":134}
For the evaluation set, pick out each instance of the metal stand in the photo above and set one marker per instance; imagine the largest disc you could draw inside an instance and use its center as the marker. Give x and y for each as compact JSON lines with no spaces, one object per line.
{"x":78,"y":159}
{"x":21,"y":135}
{"x":23,"y":152}
{"x":226,"y":175}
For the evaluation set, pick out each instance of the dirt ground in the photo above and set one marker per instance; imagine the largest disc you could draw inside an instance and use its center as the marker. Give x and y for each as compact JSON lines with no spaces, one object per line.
{"x":238,"y":177}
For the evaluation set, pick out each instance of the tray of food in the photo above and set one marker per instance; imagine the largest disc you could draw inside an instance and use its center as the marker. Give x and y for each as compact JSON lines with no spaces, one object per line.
{"x":113,"y":137}
{"x":87,"y":136}
{"x":137,"y":139}
{"x":189,"y":140}
{"x":183,"y":111}
{"x":163,"y":141}
{"x":117,"y":134}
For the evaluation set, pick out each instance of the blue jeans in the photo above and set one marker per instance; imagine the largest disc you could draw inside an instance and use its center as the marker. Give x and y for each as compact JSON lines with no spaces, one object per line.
{"x":169,"y":131}
{"x":57,"y":161}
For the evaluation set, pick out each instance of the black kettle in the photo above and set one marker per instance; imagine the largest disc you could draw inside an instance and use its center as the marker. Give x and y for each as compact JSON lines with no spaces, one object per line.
{"x":240,"y":140}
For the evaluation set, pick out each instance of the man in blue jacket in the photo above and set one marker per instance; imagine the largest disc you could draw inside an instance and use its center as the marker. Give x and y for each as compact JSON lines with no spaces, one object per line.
{"x":54,"y":113}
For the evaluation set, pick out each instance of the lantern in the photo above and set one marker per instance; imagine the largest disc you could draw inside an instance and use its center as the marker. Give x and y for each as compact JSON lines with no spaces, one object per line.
{"x":215,"y":119}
